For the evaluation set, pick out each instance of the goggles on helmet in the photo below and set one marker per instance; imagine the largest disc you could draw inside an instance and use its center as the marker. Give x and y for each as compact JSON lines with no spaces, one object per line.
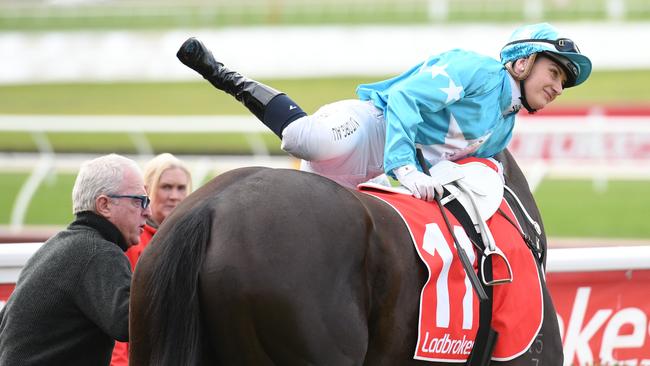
{"x":561,"y":44}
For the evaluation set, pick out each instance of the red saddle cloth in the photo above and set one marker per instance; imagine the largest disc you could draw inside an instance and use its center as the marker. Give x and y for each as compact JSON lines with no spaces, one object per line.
{"x":449,"y":307}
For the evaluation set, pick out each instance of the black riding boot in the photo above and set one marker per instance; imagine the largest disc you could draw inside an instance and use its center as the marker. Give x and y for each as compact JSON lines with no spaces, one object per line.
{"x":275,"y":109}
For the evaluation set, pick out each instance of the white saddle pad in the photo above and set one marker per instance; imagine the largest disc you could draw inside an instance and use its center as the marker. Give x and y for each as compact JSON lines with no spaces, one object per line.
{"x":483,"y":182}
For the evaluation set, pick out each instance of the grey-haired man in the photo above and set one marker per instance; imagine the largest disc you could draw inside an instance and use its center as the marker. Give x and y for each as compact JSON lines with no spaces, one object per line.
{"x":72,"y":297}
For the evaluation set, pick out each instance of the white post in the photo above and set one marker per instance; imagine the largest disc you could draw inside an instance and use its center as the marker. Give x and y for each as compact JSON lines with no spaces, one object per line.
{"x":533,"y":9}
{"x":44,"y":166}
{"x":596,"y":120}
{"x":438,"y":10}
{"x":141,"y":143}
{"x":615,"y":9}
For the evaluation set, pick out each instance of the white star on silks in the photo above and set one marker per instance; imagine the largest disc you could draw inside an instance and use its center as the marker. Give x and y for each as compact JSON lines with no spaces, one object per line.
{"x":435,"y":70}
{"x":453,"y":91}
{"x":455,"y":136}
{"x":456,"y":145}
{"x":454,"y":140}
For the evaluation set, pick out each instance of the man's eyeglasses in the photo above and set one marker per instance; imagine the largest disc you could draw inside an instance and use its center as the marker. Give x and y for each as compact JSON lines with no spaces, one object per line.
{"x":144,"y":199}
{"x":561,"y":44}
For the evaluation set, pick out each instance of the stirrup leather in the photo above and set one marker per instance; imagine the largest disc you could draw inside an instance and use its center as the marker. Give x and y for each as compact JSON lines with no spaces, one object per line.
{"x":479,"y":190}
{"x":491,"y":248}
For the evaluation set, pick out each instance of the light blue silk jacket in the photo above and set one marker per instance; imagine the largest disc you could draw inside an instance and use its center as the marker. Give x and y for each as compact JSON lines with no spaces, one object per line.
{"x":455,"y":104}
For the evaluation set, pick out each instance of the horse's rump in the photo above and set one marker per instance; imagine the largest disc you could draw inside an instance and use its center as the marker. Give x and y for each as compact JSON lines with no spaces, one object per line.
{"x":279,"y":276}
{"x":282,"y":267}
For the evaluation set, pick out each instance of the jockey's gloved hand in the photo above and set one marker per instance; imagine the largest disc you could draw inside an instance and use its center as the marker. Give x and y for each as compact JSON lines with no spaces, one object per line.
{"x":421,"y":185}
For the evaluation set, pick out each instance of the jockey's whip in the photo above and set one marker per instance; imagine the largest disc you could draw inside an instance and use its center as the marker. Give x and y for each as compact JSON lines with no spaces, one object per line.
{"x":464,"y":259}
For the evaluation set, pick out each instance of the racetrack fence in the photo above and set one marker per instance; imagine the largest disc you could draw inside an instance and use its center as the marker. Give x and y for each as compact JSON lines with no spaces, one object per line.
{"x":591,"y":143}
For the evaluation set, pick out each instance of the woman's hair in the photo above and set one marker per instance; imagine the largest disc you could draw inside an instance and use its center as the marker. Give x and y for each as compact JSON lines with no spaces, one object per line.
{"x":157,"y":166}
{"x":103,"y":175}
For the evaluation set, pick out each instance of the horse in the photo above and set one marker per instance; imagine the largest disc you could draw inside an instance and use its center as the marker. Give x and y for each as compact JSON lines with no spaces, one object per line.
{"x":266,"y":266}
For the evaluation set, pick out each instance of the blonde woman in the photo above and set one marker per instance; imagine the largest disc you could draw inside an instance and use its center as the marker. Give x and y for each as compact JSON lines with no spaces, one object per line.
{"x":168,"y":181}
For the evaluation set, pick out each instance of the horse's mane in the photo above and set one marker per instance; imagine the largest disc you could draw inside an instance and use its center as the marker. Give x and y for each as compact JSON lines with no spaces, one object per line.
{"x":181,"y":252}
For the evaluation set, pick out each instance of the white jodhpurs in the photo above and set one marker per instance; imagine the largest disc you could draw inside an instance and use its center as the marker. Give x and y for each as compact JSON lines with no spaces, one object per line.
{"x":343,"y":141}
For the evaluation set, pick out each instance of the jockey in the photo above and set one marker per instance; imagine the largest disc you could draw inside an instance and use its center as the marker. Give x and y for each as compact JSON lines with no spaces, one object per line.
{"x":452,"y":105}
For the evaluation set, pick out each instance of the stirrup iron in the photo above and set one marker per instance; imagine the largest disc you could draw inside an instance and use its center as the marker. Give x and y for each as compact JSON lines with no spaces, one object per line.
{"x":496,"y":254}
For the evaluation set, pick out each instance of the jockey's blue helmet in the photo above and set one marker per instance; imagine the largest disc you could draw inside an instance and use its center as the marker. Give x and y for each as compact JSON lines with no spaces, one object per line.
{"x":545,"y":39}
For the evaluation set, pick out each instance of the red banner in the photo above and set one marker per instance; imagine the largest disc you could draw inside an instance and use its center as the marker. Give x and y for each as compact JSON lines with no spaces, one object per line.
{"x":603,"y":316}
{"x":5,"y":291}
{"x":558,"y":146}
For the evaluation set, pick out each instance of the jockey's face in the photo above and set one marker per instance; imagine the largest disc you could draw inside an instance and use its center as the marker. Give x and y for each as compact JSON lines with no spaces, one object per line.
{"x":544,"y":83}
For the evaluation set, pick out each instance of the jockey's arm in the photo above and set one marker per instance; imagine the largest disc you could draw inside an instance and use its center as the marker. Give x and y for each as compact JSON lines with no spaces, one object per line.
{"x":403,"y":119}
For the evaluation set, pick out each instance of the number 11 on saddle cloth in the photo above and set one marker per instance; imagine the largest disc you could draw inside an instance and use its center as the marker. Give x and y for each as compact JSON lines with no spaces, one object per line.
{"x":449,"y":308}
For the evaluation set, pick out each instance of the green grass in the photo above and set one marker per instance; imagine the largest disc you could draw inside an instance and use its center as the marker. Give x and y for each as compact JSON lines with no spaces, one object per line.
{"x":609,"y":88}
{"x":575,"y":209}
{"x":214,"y":14}
{"x":569,"y":208}
{"x":51,"y":205}
{"x":52,"y":201}
{"x":195,"y":143}
{"x":9,"y":186}
{"x":215,"y":19}
{"x":198,"y":98}
{"x":34,"y":16}
{"x":192,"y":98}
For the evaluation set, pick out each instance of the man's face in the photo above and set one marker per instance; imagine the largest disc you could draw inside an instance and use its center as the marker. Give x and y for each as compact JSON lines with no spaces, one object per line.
{"x":126,"y":213}
{"x":544,"y":83}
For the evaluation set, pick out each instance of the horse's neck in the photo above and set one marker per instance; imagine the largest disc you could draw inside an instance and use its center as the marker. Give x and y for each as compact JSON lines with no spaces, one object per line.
{"x":523,"y":206}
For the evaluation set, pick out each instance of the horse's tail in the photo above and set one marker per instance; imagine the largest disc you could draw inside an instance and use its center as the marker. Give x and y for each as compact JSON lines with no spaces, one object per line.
{"x":173,"y":290}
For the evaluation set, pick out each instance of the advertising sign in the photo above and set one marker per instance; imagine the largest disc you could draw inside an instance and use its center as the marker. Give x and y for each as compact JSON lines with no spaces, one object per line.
{"x":603,"y":316}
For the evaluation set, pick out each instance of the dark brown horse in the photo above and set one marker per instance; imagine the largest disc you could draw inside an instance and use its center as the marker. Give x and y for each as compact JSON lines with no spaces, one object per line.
{"x":280,"y":267}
